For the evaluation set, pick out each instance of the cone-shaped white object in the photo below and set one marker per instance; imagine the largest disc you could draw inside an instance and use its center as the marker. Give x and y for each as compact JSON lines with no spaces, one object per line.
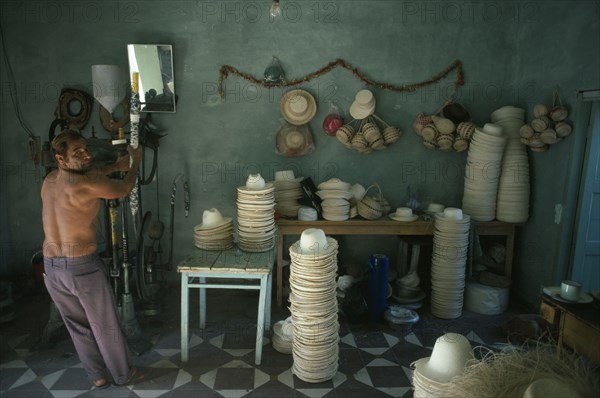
{"x":109,"y":91}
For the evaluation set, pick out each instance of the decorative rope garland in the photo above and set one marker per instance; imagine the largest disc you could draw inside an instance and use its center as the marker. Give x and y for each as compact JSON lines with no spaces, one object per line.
{"x":226,"y":70}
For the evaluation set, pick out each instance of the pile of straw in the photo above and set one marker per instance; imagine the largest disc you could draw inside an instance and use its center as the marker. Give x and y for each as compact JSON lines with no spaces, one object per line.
{"x":508,"y":374}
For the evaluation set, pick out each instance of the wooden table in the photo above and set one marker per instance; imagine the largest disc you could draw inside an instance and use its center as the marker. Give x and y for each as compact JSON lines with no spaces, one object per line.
{"x":384,"y":227}
{"x":227,"y":264}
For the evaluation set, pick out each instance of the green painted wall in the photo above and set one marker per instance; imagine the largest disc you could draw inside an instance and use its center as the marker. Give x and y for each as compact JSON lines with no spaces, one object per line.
{"x":513,"y":54}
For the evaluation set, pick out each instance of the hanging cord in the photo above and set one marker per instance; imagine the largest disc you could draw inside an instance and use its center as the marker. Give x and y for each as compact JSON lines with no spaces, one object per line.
{"x":13,"y":89}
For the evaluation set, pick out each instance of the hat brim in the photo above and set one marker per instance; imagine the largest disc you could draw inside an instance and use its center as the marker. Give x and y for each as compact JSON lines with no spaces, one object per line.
{"x":202,"y":227}
{"x":358,"y":112}
{"x":289,"y":116}
{"x":408,"y":219}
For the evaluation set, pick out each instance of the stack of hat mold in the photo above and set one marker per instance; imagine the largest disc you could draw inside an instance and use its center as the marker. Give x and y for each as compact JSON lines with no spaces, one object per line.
{"x":215,"y":232}
{"x":371,"y":132}
{"x":335,"y":199}
{"x":256,"y":215}
{"x":514,"y":183}
{"x":287,"y":193}
{"x":482,"y":172}
{"x":451,"y":354}
{"x":313,"y":306}
{"x":451,"y":130}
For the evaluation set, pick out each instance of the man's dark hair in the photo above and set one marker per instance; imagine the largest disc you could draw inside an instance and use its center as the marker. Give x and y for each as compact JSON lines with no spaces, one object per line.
{"x":60,"y":143}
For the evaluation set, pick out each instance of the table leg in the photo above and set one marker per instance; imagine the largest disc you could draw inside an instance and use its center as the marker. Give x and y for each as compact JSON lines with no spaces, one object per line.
{"x":261,"y":319}
{"x":184,"y":317}
{"x":202,"y":304}
{"x":268,"y":303}
{"x":510,"y":251}
{"x":280,"y":270}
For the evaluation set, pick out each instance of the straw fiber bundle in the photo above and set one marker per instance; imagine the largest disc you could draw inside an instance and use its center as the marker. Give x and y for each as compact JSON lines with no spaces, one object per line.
{"x":503,"y":375}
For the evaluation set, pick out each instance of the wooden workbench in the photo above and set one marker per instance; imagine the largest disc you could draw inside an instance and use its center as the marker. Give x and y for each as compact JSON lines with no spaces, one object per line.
{"x":384,"y":227}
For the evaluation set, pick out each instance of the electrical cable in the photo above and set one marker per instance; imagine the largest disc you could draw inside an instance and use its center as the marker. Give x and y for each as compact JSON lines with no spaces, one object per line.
{"x":13,"y":89}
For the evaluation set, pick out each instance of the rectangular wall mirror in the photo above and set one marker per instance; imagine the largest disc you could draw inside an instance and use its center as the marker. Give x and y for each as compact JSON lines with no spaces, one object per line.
{"x":154,"y":63}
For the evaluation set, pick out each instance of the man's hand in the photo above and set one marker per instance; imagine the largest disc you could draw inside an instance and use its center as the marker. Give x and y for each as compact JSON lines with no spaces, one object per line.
{"x":122,"y":164}
{"x":136,"y":154}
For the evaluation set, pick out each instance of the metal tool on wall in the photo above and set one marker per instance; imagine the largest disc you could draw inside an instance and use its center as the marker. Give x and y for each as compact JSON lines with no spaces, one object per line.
{"x":147,"y":255}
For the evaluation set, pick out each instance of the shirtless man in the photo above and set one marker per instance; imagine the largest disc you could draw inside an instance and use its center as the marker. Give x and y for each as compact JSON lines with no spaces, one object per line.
{"x":74,"y":273}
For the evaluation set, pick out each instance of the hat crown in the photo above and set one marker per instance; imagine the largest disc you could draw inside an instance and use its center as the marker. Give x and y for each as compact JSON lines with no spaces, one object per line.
{"x":364,"y":97}
{"x":294,"y":139}
{"x":404,"y":212}
{"x":211,"y":217}
{"x":284,"y":175}
{"x":450,"y":354}
{"x":313,"y":239}
{"x":255,"y":181}
{"x":298,"y":105}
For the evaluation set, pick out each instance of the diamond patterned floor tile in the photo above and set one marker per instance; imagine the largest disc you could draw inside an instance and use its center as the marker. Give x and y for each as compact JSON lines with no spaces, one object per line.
{"x":374,"y":360}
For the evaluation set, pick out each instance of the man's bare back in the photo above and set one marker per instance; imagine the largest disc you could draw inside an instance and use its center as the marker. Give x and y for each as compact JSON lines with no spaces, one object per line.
{"x":71,"y":199}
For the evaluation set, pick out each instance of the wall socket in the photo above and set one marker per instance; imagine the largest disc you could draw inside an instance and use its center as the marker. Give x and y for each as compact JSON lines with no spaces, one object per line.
{"x":558,"y":210}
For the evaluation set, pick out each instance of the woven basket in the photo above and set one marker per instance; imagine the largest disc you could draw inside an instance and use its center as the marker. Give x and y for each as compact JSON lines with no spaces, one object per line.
{"x":370,"y":207}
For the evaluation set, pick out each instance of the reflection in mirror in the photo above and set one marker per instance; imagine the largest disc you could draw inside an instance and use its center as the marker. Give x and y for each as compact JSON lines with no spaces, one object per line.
{"x":154,"y":63}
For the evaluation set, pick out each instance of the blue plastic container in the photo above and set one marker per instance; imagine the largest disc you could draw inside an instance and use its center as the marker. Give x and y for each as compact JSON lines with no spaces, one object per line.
{"x":379,"y":268}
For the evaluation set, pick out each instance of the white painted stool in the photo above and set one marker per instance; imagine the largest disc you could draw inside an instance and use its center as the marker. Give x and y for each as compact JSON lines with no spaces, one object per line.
{"x":226,"y":264}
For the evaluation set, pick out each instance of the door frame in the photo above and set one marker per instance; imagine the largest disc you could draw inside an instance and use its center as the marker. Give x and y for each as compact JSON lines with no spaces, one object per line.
{"x":573,"y":185}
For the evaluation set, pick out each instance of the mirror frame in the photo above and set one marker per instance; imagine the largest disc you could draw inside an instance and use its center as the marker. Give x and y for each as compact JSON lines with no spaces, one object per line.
{"x":150,"y":71}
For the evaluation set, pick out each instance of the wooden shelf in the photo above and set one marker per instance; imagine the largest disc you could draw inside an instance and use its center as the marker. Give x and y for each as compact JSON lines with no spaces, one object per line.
{"x":384,"y":227}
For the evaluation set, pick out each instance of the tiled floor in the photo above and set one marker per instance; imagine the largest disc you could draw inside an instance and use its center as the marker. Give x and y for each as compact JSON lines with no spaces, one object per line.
{"x":374,"y":360}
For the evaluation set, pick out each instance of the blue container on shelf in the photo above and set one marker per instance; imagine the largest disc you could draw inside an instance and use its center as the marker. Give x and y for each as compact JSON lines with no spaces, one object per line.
{"x":379,"y":268}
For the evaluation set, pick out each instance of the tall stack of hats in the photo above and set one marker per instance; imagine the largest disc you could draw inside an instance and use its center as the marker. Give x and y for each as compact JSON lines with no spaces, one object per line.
{"x":448,"y":262}
{"x":256,"y":215}
{"x":450,"y":356}
{"x":335,"y":195}
{"x":482,"y":172}
{"x":313,"y":306}
{"x":287,"y":193}
{"x":215,"y":232}
{"x":514,"y":184}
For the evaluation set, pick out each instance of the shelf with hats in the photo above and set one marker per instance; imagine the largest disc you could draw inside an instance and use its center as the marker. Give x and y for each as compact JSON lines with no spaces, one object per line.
{"x":360,"y":226}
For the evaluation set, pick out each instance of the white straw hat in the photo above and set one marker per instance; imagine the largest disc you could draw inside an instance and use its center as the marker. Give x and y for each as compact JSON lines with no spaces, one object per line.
{"x":298,"y":107}
{"x":448,"y":358}
{"x":363,"y":105}
{"x":255,"y":182}
{"x":403,"y":214}
{"x":212,"y":218}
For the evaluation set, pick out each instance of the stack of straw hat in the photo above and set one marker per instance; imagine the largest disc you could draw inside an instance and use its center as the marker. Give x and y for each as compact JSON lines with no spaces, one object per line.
{"x":514,"y":184}
{"x":450,"y":356}
{"x":287,"y":193}
{"x":256,"y":215}
{"x":313,"y":306}
{"x":448,"y":263}
{"x":335,"y":197}
{"x":215,"y":232}
{"x":283,"y":335}
{"x":482,"y":172}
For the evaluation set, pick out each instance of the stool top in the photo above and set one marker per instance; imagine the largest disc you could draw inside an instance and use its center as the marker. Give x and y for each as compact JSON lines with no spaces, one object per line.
{"x":232,"y":260}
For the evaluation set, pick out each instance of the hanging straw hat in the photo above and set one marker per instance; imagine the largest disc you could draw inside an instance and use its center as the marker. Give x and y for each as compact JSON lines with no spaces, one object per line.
{"x":298,"y":107}
{"x":363,"y":105}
